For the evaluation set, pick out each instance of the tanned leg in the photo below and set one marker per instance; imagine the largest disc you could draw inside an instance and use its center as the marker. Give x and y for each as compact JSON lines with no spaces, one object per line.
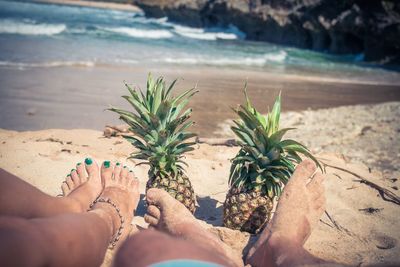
{"x":300,"y":208}
{"x":71,"y":239}
{"x":81,"y":187}
{"x":177,"y":236}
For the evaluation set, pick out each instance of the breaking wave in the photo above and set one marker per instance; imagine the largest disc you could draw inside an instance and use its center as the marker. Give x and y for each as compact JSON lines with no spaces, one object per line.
{"x":141,"y":33}
{"x":51,"y":64}
{"x":30,"y":28}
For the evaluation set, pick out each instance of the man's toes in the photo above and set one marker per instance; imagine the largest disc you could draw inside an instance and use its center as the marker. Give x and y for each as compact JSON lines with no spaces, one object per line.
{"x":303,"y":172}
{"x":150,"y":220}
{"x":65,"y":188}
{"x":117,"y":171}
{"x":69,"y":182}
{"x":80,"y":169}
{"x":316,"y":182}
{"x":159,"y":198}
{"x":154,"y":212}
{"x":92,"y":168}
{"x":319,"y":203}
{"x":75,"y":178}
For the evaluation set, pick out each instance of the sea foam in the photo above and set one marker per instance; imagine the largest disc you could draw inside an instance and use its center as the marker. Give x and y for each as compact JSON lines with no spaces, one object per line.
{"x":141,"y":33}
{"x":204,"y":34}
{"x":29,"y":28}
{"x":259,"y":61}
{"x":50,"y":64}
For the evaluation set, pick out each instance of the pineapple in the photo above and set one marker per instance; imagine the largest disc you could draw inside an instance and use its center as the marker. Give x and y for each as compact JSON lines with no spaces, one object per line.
{"x":159,"y":127}
{"x":260,"y":169}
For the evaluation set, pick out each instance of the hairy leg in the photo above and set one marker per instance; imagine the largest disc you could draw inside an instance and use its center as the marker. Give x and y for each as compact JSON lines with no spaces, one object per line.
{"x":168,"y":215}
{"x":71,"y":239}
{"x":300,"y":207}
{"x":81,"y":187}
{"x":152,"y":246}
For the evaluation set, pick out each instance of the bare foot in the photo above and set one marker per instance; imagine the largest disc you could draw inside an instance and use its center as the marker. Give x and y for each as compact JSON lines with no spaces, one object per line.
{"x":299,"y":210}
{"x":82,"y":186}
{"x":118,"y":200}
{"x":169,"y":215}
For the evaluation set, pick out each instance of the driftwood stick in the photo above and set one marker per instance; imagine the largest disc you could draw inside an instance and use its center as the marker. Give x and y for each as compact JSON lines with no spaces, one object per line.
{"x":385,"y":193}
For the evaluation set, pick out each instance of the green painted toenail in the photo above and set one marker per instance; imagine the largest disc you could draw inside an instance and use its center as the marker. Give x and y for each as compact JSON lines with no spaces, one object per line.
{"x":68,"y":175}
{"x":72,"y":170}
{"x":88,"y":161}
{"x":130,"y":171}
{"x":118,"y":164}
{"x":78,"y":164}
{"x":125,"y":167}
{"x":106,"y":164}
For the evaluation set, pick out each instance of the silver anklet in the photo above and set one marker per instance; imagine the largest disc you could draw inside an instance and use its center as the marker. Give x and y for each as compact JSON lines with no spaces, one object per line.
{"x":117,"y":236}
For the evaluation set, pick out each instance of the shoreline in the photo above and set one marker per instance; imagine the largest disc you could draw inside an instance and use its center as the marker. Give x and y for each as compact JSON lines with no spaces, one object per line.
{"x":42,"y":103}
{"x":95,"y":4}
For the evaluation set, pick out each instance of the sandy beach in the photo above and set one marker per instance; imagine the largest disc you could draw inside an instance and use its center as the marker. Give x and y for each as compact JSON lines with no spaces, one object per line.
{"x":76,"y":97}
{"x":360,"y":226}
{"x":59,"y":73}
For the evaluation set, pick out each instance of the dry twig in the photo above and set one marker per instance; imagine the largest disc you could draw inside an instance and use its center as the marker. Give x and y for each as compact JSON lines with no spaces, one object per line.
{"x":385,"y":193}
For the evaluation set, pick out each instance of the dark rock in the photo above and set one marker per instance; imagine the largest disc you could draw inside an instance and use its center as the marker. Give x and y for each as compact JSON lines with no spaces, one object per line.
{"x":339,"y":27}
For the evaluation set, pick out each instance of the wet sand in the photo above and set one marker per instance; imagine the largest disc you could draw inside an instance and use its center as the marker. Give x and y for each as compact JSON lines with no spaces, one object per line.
{"x":75,"y":97}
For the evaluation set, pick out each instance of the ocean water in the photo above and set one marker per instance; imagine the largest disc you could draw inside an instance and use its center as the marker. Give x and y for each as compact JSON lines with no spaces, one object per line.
{"x":39,"y":35}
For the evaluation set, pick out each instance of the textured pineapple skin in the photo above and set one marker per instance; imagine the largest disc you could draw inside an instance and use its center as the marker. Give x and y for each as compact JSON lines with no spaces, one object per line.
{"x":247,"y":211}
{"x":178,"y":187}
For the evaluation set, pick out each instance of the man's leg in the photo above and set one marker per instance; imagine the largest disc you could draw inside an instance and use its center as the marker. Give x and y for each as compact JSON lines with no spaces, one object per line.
{"x":72,"y":239}
{"x":299,"y":210}
{"x":152,"y":246}
{"x":18,"y":198}
{"x":186,"y":238}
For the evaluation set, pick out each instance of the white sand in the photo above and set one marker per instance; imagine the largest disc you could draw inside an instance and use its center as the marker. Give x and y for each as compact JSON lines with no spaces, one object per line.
{"x":351,"y":235}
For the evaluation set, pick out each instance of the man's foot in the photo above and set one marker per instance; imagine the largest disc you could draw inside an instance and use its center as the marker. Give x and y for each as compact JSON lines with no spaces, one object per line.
{"x":169,"y":215}
{"x":118,"y":200}
{"x":299,"y":210}
{"x":82,"y":186}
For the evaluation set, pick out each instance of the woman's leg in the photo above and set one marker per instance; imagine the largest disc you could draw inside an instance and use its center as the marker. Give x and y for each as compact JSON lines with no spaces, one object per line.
{"x":72,"y":239}
{"x":18,"y":198}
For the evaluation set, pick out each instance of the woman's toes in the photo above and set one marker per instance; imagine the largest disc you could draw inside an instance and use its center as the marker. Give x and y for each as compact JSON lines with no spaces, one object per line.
{"x":91,"y":167}
{"x":69,"y":182}
{"x":124,"y":173}
{"x":107,"y":171}
{"x":150,"y":220}
{"x":65,"y":188}
{"x":80,"y":169}
{"x":75,"y":178}
{"x":154,"y":212}
{"x":117,"y":171}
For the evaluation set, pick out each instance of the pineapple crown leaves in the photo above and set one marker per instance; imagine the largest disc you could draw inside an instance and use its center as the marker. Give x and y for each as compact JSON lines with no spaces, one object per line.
{"x":265,"y":162}
{"x":159,"y":124}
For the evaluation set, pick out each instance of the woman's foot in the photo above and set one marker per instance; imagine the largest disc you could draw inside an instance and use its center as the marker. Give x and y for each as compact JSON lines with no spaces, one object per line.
{"x":299,"y":210}
{"x":169,"y":215}
{"x":119,"y":199}
{"x":82,"y":186}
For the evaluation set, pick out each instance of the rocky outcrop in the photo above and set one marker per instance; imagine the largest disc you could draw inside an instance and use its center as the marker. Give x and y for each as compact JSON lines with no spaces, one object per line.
{"x":339,"y":27}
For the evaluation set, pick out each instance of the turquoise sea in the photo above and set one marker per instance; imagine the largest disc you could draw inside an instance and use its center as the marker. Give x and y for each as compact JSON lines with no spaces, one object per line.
{"x":41,"y":35}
